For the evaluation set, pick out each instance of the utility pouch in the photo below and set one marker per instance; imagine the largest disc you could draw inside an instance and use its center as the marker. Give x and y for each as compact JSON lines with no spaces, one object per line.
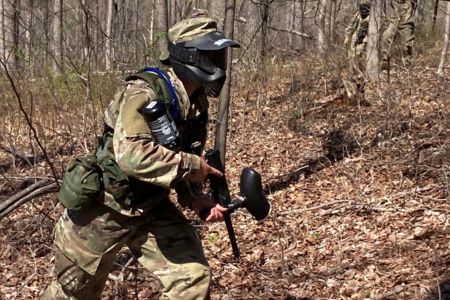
{"x":115,"y":181}
{"x":82,"y":183}
{"x":361,"y":35}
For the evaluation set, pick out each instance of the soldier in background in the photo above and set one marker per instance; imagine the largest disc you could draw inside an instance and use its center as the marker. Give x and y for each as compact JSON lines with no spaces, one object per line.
{"x":401,"y":21}
{"x":356,"y":31}
{"x":356,"y":38}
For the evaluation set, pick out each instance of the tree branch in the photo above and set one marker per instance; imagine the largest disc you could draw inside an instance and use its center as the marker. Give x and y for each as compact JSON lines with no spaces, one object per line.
{"x":28,"y":119}
{"x":49,"y":188}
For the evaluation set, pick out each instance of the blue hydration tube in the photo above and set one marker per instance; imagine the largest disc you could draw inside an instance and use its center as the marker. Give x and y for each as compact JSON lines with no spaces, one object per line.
{"x":174,"y":106}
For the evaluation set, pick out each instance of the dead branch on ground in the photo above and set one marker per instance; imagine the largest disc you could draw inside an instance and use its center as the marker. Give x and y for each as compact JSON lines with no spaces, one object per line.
{"x":37,"y":189}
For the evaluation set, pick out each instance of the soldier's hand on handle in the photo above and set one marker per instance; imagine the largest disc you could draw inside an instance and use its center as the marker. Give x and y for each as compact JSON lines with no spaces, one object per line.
{"x":204,"y":171}
{"x":216,"y":213}
{"x":207,"y":209}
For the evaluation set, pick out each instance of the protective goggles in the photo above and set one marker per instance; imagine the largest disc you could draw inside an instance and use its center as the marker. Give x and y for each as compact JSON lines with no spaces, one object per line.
{"x":206,"y":60}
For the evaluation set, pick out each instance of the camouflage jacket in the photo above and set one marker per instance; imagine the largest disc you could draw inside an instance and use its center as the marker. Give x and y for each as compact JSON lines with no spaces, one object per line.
{"x":358,"y":28}
{"x":403,"y":11}
{"x":155,"y":168}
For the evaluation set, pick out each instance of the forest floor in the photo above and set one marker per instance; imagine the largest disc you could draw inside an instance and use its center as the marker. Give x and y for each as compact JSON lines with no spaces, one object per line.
{"x":360,"y":197}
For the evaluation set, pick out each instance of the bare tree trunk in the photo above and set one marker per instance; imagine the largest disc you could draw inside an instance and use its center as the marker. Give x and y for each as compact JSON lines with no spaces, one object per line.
{"x":224,"y":99}
{"x":48,"y":42}
{"x":263,"y":37}
{"x":435,"y":12}
{"x":187,"y":9}
{"x":96,"y":35}
{"x":209,"y":7}
{"x":440,"y":70}
{"x":372,"y":60}
{"x":122,"y":38}
{"x":160,"y":28}
{"x":176,"y":11}
{"x":333,"y":17}
{"x":320,"y":26}
{"x":15,"y":33}
{"x":327,"y":22}
{"x":242,"y":28}
{"x":136,"y":32}
{"x":28,"y":33}
{"x":152,"y":29}
{"x":108,"y":42}
{"x":10,"y":33}
{"x":292,"y":23}
{"x":171,"y":6}
{"x":419,"y":12}
{"x":119,"y":30}
{"x":302,"y":21}
{"x":57,"y":37}
{"x":2,"y":30}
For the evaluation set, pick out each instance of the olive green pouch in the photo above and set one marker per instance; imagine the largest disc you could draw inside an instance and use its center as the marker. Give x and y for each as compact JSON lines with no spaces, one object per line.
{"x":82,"y":183}
{"x":115,"y":180}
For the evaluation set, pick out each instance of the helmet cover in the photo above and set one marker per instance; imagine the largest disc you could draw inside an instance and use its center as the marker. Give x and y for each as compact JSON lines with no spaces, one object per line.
{"x":198,"y":52}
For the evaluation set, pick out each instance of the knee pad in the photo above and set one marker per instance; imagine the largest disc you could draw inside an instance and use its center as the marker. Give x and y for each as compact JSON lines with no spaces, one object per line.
{"x":71,"y":277}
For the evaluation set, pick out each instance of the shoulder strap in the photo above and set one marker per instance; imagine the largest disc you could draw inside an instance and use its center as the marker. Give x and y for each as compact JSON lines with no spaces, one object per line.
{"x":161,"y":84}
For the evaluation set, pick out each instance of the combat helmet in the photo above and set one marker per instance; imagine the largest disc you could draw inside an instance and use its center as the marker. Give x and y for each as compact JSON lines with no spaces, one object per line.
{"x":197,"y":51}
{"x":364,"y":8}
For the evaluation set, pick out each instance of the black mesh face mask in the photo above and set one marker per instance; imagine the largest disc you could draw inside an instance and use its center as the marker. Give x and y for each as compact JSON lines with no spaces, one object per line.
{"x":214,"y":63}
{"x":209,"y":61}
{"x":364,"y":10}
{"x":203,"y":60}
{"x":213,"y":89}
{"x":204,"y":67}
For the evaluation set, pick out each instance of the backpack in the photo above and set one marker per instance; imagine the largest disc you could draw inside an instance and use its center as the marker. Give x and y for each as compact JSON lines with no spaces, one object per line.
{"x":88,"y":176}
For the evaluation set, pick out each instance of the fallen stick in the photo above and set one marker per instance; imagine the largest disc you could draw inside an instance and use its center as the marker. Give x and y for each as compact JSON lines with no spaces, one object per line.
{"x":4,"y":205}
{"x":50,"y":188}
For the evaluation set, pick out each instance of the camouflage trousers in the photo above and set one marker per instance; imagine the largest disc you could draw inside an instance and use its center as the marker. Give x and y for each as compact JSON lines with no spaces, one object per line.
{"x":86,"y":245}
{"x":354,"y":83}
{"x":406,"y":35}
{"x":357,"y":49}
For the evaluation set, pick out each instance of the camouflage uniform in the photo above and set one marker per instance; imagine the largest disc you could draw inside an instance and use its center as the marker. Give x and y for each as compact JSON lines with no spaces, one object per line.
{"x":401,"y":21}
{"x":357,"y":30}
{"x":156,"y":232}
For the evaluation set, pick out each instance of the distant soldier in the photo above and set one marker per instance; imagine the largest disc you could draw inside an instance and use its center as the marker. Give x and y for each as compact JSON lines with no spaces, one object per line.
{"x":356,"y":31}
{"x":402,"y":22}
{"x":356,"y":36}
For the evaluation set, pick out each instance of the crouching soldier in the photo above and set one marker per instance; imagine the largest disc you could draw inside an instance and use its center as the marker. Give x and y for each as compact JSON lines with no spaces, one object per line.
{"x":155,"y":132}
